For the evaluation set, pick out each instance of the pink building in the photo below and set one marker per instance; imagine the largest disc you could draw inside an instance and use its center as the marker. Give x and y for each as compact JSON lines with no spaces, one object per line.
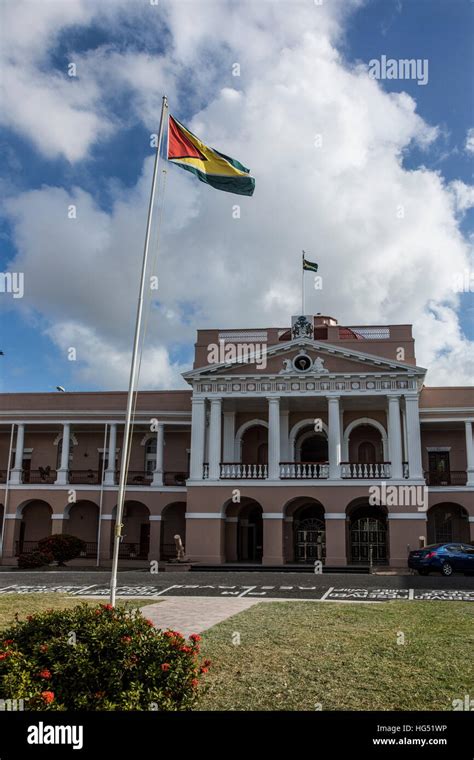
{"x":314,"y":441}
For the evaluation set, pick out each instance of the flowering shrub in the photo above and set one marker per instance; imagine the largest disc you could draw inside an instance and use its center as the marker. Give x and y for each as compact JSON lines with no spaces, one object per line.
{"x":98,"y":658}
{"x":34,"y":559}
{"x":62,"y":547}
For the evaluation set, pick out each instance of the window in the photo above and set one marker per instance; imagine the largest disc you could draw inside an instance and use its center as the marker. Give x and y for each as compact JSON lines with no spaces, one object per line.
{"x":150,"y":455}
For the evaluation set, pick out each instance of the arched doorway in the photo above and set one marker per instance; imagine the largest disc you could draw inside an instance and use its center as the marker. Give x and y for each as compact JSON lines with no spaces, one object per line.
{"x":35,"y":524}
{"x":314,"y":448}
{"x":83,"y":523}
{"x":447,"y":522}
{"x":252,"y":443}
{"x":367,"y":535}
{"x":135,"y":543}
{"x":243,"y":531}
{"x":305,"y":531}
{"x":173,"y":523}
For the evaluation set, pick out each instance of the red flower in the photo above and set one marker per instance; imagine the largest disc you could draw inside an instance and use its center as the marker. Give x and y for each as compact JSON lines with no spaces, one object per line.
{"x":44,"y":647}
{"x":207,"y":663}
{"x":99,"y":694}
{"x":195,"y":637}
{"x":166,"y":666}
{"x":48,"y":696}
{"x":204,"y":670}
{"x":195,"y":683}
{"x":169,"y":634}
{"x":148,"y":622}
{"x":4,"y":655}
{"x":185,"y":649}
{"x":107,"y":606}
{"x":45,"y":673}
{"x":29,"y":617}
{"x":126,"y":639}
{"x":7,"y":642}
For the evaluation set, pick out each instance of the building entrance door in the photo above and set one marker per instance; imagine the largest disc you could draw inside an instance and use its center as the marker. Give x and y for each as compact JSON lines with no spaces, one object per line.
{"x":369,"y":533}
{"x":310,"y":540}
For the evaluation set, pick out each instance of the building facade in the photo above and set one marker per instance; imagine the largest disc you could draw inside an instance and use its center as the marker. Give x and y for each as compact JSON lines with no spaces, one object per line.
{"x":311,"y":442}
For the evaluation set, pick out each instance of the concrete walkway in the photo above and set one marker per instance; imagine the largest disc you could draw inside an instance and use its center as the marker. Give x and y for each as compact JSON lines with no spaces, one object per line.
{"x":194,"y":614}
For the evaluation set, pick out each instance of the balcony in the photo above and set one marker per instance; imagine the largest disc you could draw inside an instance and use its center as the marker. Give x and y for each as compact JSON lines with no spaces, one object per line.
{"x":304,"y":470}
{"x":136,"y":477}
{"x":238,"y":470}
{"x":359,"y":471}
{"x":175,"y":478}
{"x":83,"y":476}
{"x":448,"y":478}
{"x":43,"y":475}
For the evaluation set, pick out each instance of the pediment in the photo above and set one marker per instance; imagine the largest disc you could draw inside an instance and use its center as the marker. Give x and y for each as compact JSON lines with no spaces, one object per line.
{"x":301,"y":356}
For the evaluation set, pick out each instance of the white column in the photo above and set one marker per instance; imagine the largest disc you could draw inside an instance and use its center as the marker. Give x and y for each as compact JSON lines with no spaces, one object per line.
{"x":273,"y":438}
{"x":16,"y":471}
{"x":215,"y":439}
{"x":109,"y":474}
{"x":160,"y":444}
{"x":198,"y":422}
{"x":469,"y":453}
{"x":334,"y":434}
{"x":395,"y":437}
{"x":229,"y":436}
{"x":63,"y":472}
{"x":284,"y":431}
{"x":413,"y":438}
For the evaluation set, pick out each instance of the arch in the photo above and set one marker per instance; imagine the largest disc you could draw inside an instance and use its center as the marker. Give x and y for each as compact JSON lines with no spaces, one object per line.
{"x":366,"y":452}
{"x":364,"y":421}
{"x":304,"y":530}
{"x":243,"y":530}
{"x":303,"y":439}
{"x":83,"y":523}
{"x":367,"y":533}
{"x":241,"y":432}
{"x":136,"y":530}
{"x":295,"y":431}
{"x":34,"y":523}
{"x":173,"y":522}
{"x":447,"y":521}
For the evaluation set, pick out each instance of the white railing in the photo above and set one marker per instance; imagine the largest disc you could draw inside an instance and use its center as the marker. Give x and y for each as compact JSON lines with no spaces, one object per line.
{"x":304,"y":470}
{"x":406,"y":470}
{"x":205,"y":471}
{"x":245,"y":471}
{"x":357,"y":470}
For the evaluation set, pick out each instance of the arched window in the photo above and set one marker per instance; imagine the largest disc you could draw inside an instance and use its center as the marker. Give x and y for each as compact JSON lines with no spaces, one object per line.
{"x":150,"y":455}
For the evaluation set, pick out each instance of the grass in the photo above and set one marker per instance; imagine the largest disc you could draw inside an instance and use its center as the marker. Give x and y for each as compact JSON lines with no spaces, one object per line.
{"x":310,"y":656}
{"x":31,"y":603}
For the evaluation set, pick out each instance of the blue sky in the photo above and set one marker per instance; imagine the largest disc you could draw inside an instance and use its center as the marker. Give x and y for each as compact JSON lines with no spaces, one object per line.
{"x":110,"y":168}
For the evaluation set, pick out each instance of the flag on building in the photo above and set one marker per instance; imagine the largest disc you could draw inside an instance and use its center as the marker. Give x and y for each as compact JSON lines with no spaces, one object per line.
{"x":309,"y":266}
{"x":210,"y":166}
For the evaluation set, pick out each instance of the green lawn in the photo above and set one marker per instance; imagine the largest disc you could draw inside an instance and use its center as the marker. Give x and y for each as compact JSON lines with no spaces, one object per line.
{"x":29,"y":604}
{"x":298,"y":655}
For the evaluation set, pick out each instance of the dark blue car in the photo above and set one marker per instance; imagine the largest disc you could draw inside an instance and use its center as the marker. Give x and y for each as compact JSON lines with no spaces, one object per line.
{"x":443,"y":558}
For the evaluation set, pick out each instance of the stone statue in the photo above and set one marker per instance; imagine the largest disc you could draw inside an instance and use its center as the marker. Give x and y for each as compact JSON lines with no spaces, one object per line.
{"x":318,"y":365}
{"x":179,"y":548}
{"x":287,"y":366}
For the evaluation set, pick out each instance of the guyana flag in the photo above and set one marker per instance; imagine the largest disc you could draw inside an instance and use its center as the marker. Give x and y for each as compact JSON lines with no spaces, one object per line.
{"x":210,"y":166}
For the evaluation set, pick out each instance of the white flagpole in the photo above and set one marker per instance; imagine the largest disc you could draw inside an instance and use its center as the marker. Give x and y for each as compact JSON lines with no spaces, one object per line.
{"x":302,"y":283}
{"x":134,"y":366}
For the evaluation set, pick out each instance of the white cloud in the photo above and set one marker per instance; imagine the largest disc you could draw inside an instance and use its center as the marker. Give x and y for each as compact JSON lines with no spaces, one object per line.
{"x":469,"y":147}
{"x":385,"y":238}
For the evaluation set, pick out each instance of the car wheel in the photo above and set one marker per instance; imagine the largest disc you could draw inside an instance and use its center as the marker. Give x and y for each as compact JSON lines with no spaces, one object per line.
{"x":423,"y":571}
{"x":447,"y":569}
